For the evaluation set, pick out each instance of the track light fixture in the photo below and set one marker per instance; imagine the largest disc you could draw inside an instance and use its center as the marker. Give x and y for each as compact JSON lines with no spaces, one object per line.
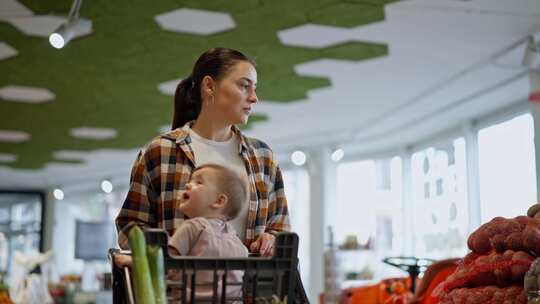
{"x":66,"y":31}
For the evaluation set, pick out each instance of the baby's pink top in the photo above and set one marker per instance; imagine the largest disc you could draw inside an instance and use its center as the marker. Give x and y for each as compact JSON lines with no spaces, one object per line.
{"x":210,"y":238}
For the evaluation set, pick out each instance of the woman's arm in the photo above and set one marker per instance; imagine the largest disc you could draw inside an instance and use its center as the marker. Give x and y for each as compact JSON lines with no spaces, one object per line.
{"x":138,"y":206}
{"x":278,"y":212}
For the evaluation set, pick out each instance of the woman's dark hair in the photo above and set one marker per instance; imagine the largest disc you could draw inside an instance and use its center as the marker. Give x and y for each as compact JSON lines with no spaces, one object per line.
{"x":216,"y":63}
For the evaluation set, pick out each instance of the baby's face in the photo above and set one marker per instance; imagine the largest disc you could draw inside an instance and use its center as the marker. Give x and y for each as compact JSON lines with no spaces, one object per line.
{"x":201,"y":192}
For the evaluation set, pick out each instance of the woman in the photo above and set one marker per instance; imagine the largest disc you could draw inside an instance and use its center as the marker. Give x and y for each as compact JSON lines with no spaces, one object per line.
{"x":217,"y":96}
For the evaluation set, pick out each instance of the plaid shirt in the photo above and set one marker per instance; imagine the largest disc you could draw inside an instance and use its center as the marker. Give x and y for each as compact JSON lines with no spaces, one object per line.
{"x":164,"y":166}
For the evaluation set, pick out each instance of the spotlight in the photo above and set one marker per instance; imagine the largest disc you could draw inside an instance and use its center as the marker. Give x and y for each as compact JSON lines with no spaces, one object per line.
{"x":298,"y":158}
{"x":106,"y":186}
{"x":63,"y":34}
{"x":337,"y":154}
{"x":58,"y":194}
{"x":66,"y":31}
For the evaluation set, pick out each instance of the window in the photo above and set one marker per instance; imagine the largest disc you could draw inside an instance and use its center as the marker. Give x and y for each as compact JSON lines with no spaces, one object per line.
{"x":21,"y":225}
{"x":297,"y":192}
{"x":369,"y":202}
{"x":355,"y":201}
{"x":507,"y":168}
{"x":439,"y":200}
{"x":369,"y":209}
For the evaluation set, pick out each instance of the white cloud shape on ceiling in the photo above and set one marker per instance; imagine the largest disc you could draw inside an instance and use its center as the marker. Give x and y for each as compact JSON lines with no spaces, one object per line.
{"x":93,"y":133}
{"x":26,"y":94}
{"x":6,"y":51}
{"x":194,"y":21}
{"x":164,"y":128}
{"x":169,"y":87}
{"x":43,"y":26}
{"x":13,"y":9}
{"x":314,"y":36}
{"x":38,"y":26}
{"x":70,"y":155}
{"x":7,"y":158}
{"x":13,"y":136}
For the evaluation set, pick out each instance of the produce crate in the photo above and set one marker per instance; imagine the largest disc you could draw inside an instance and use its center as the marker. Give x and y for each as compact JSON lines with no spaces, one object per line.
{"x":265,"y":279}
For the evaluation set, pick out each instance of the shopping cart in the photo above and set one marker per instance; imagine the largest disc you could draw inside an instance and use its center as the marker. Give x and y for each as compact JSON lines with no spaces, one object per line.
{"x":265,"y":280}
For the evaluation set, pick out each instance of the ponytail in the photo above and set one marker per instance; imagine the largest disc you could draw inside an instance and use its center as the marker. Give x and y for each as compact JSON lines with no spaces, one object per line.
{"x":187,"y":103}
{"x":216,"y":63}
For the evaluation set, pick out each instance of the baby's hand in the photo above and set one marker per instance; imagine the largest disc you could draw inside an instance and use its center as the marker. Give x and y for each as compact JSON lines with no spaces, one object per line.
{"x":173,"y":251}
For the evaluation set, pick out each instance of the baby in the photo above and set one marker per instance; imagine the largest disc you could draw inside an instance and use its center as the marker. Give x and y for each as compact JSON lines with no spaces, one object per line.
{"x":213,"y":196}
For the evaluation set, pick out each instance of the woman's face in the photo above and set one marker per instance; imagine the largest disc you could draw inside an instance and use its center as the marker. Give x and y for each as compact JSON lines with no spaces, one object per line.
{"x":235,"y":93}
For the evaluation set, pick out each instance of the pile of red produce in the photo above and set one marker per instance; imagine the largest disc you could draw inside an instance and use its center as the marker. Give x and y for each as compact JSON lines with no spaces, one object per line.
{"x":502,"y":253}
{"x":486,"y":295}
{"x":520,"y":233}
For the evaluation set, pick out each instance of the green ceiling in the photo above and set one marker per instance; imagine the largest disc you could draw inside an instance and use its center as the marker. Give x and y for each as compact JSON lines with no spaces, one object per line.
{"x":109,"y":79}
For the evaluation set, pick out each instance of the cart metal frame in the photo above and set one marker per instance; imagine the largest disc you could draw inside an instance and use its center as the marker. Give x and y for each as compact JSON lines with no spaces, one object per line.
{"x":265,"y":279}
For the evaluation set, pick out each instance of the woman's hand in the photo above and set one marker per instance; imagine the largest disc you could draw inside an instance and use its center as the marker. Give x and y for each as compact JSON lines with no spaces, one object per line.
{"x":264,"y":245}
{"x":123,"y":260}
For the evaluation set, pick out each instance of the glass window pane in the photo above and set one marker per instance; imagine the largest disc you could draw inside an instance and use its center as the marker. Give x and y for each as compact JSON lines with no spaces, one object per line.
{"x":369,"y":209}
{"x":507,"y":168}
{"x":296,"y":183}
{"x":356,"y":183}
{"x":20,"y":225}
{"x":440,"y":201}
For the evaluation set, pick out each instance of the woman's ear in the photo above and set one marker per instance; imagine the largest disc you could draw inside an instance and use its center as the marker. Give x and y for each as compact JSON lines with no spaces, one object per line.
{"x":207,"y":86}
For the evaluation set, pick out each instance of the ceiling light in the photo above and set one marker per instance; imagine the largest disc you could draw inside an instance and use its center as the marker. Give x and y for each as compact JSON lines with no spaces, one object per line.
{"x":66,"y":31}
{"x":58,"y":194}
{"x":106,"y":186}
{"x":337,"y":154}
{"x":298,"y":158}
{"x":59,"y":38}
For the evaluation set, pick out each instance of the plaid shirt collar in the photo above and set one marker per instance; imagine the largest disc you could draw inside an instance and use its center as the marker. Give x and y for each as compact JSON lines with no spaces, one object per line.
{"x":181,"y":137}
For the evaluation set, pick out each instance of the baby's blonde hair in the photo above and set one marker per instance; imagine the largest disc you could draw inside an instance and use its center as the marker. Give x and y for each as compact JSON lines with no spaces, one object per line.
{"x":230,"y":184}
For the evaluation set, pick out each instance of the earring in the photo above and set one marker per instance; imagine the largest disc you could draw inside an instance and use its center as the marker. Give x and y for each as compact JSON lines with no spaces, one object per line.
{"x":211,"y":101}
